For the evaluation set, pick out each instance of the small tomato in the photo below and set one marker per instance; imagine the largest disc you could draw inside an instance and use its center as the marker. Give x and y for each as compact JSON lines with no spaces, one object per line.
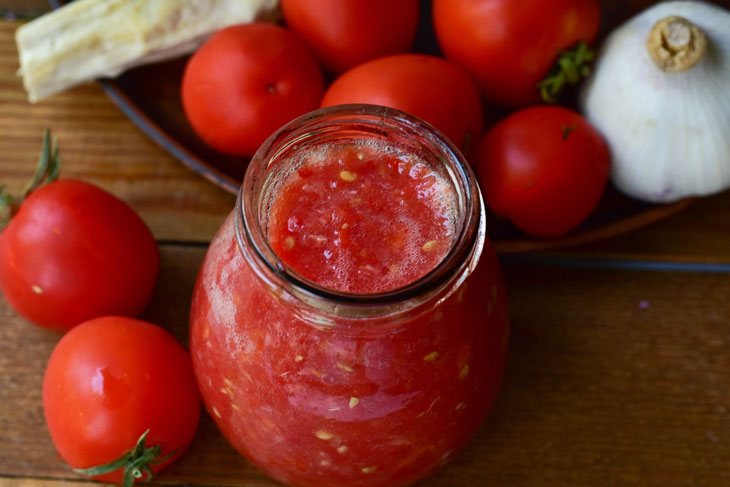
{"x":509,"y":46}
{"x":118,"y":388}
{"x":73,"y":252}
{"x":427,"y":87}
{"x":245,"y":82}
{"x":345,"y":34}
{"x":544,"y":168}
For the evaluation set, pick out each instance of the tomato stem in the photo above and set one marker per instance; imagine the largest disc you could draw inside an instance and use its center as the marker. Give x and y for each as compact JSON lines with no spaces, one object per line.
{"x":136,"y":462}
{"x":567,"y":130}
{"x":570,"y":68}
{"x":49,"y":164}
{"x":8,"y":206}
{"x":47,"y":170}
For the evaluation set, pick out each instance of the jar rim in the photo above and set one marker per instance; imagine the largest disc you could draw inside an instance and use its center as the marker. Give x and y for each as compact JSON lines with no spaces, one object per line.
{"x":469,"y":234}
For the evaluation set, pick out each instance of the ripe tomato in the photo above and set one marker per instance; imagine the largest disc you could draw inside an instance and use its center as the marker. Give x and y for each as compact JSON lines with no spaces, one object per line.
{"x":427,"y":87}
{"x":245,"y":82}
{"x":107,"y":382}
{"x":509,"y":46}
{"x":544,"y":168}
{"x":345,"y":34}
{"x":74,"y":252}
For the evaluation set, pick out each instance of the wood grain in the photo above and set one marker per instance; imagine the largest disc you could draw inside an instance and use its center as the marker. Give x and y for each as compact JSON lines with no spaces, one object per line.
{"x":700,"y":233}
{"x":614,"y":378}
{"x":29,"y":482}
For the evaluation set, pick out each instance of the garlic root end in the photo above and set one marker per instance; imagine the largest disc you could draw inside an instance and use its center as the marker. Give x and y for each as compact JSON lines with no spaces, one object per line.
{"x":675,"y":44}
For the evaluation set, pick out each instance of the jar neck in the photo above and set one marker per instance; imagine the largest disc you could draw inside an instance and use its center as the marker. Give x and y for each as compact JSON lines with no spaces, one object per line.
{"x":276,"y":159}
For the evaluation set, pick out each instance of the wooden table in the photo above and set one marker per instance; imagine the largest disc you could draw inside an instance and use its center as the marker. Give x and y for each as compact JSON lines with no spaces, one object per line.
{"x":619,"y":369}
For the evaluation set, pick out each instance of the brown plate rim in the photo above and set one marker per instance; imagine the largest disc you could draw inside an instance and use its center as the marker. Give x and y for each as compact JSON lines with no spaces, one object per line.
{"x":507,"y":245}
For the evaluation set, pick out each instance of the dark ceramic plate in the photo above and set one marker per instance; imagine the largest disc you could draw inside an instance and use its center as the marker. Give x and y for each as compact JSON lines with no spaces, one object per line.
{"x":150,"y":97}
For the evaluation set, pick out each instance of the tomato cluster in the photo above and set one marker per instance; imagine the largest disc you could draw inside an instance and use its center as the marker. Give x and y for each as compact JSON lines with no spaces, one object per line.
{"x":248,"y":80}
{"x":119,"y":394}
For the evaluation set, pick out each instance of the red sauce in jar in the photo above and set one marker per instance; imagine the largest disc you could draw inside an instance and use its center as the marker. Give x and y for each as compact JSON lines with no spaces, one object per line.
{"x":313,"y":400}
{"x":357,"y":219}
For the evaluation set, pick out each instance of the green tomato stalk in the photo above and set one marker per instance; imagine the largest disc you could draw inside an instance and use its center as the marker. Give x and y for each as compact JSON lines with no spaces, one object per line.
{"x":47,"y":170}
{"x":571,"y":67}
{"x":136,"y":462}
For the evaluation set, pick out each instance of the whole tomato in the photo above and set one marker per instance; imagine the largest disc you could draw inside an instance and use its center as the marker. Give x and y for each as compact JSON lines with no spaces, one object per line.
{"x":73,"y":252}
{"x":245,"y":82}
{"x":509,"y":46}
{"x":345,"y":34}
{"x":544,"y":168}
{"x":110,"y":381}
{"x":428,"y":87}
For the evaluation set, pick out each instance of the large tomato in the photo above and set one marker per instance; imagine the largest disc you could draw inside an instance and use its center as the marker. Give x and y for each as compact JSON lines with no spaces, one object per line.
{"x":245,"y":82}
{"x":509,"y":46}
{"x":74,"y":252}
{"x":544,"y":168}
{"x":428,"y":87}
{"x":346,"y":33}
{"x":110,"y":380}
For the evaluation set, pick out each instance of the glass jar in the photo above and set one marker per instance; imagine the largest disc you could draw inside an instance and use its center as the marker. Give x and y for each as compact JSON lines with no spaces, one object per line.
{"x":323,"y":387}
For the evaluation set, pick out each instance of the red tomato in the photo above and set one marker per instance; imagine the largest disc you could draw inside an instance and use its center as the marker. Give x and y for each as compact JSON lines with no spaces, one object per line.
{"x":344,"y":34}
{"x":427,"y":87}
{"x":74,"y":252}
{"x":509,"y":46}
{"x":111,"y":379}
{"x":544,"y":168}
{"x":245,"y":82}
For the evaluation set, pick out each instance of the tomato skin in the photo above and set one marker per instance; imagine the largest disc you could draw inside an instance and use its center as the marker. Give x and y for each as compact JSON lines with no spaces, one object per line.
{"x":345,"y":34}
{"x":245,"y":82}
{"x":109,"y":380}
{"x":509,"y":46}
{"x":74,"y":252}
{"x":544,"y":168}
{"x":427,"y":87}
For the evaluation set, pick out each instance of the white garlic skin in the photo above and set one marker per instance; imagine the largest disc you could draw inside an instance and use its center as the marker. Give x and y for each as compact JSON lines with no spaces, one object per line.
{"x":669,"y":133}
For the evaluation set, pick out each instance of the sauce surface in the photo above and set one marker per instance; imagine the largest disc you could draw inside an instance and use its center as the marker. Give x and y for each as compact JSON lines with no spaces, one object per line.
{"x":362,"y":219}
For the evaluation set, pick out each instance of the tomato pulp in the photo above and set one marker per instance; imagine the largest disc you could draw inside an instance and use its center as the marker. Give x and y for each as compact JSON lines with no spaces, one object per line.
{"x":353,"y":220}
{"x":318,"y":401}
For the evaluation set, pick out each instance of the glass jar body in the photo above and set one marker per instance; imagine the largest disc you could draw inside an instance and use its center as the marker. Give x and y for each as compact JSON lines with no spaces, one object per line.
{"x":319,"y":406}
{"x":318,"y":387}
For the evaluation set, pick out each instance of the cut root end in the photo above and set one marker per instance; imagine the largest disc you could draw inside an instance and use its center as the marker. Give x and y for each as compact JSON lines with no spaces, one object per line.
{"x":675,"y":44}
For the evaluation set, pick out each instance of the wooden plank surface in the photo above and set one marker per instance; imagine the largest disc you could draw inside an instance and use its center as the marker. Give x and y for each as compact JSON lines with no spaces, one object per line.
{"x":700,"y":233}
{"x":614,"y":378}
{"x":18,"y":482}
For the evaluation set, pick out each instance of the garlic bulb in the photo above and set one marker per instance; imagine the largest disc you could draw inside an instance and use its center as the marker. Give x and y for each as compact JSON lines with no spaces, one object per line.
{"x":660,"y":94}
